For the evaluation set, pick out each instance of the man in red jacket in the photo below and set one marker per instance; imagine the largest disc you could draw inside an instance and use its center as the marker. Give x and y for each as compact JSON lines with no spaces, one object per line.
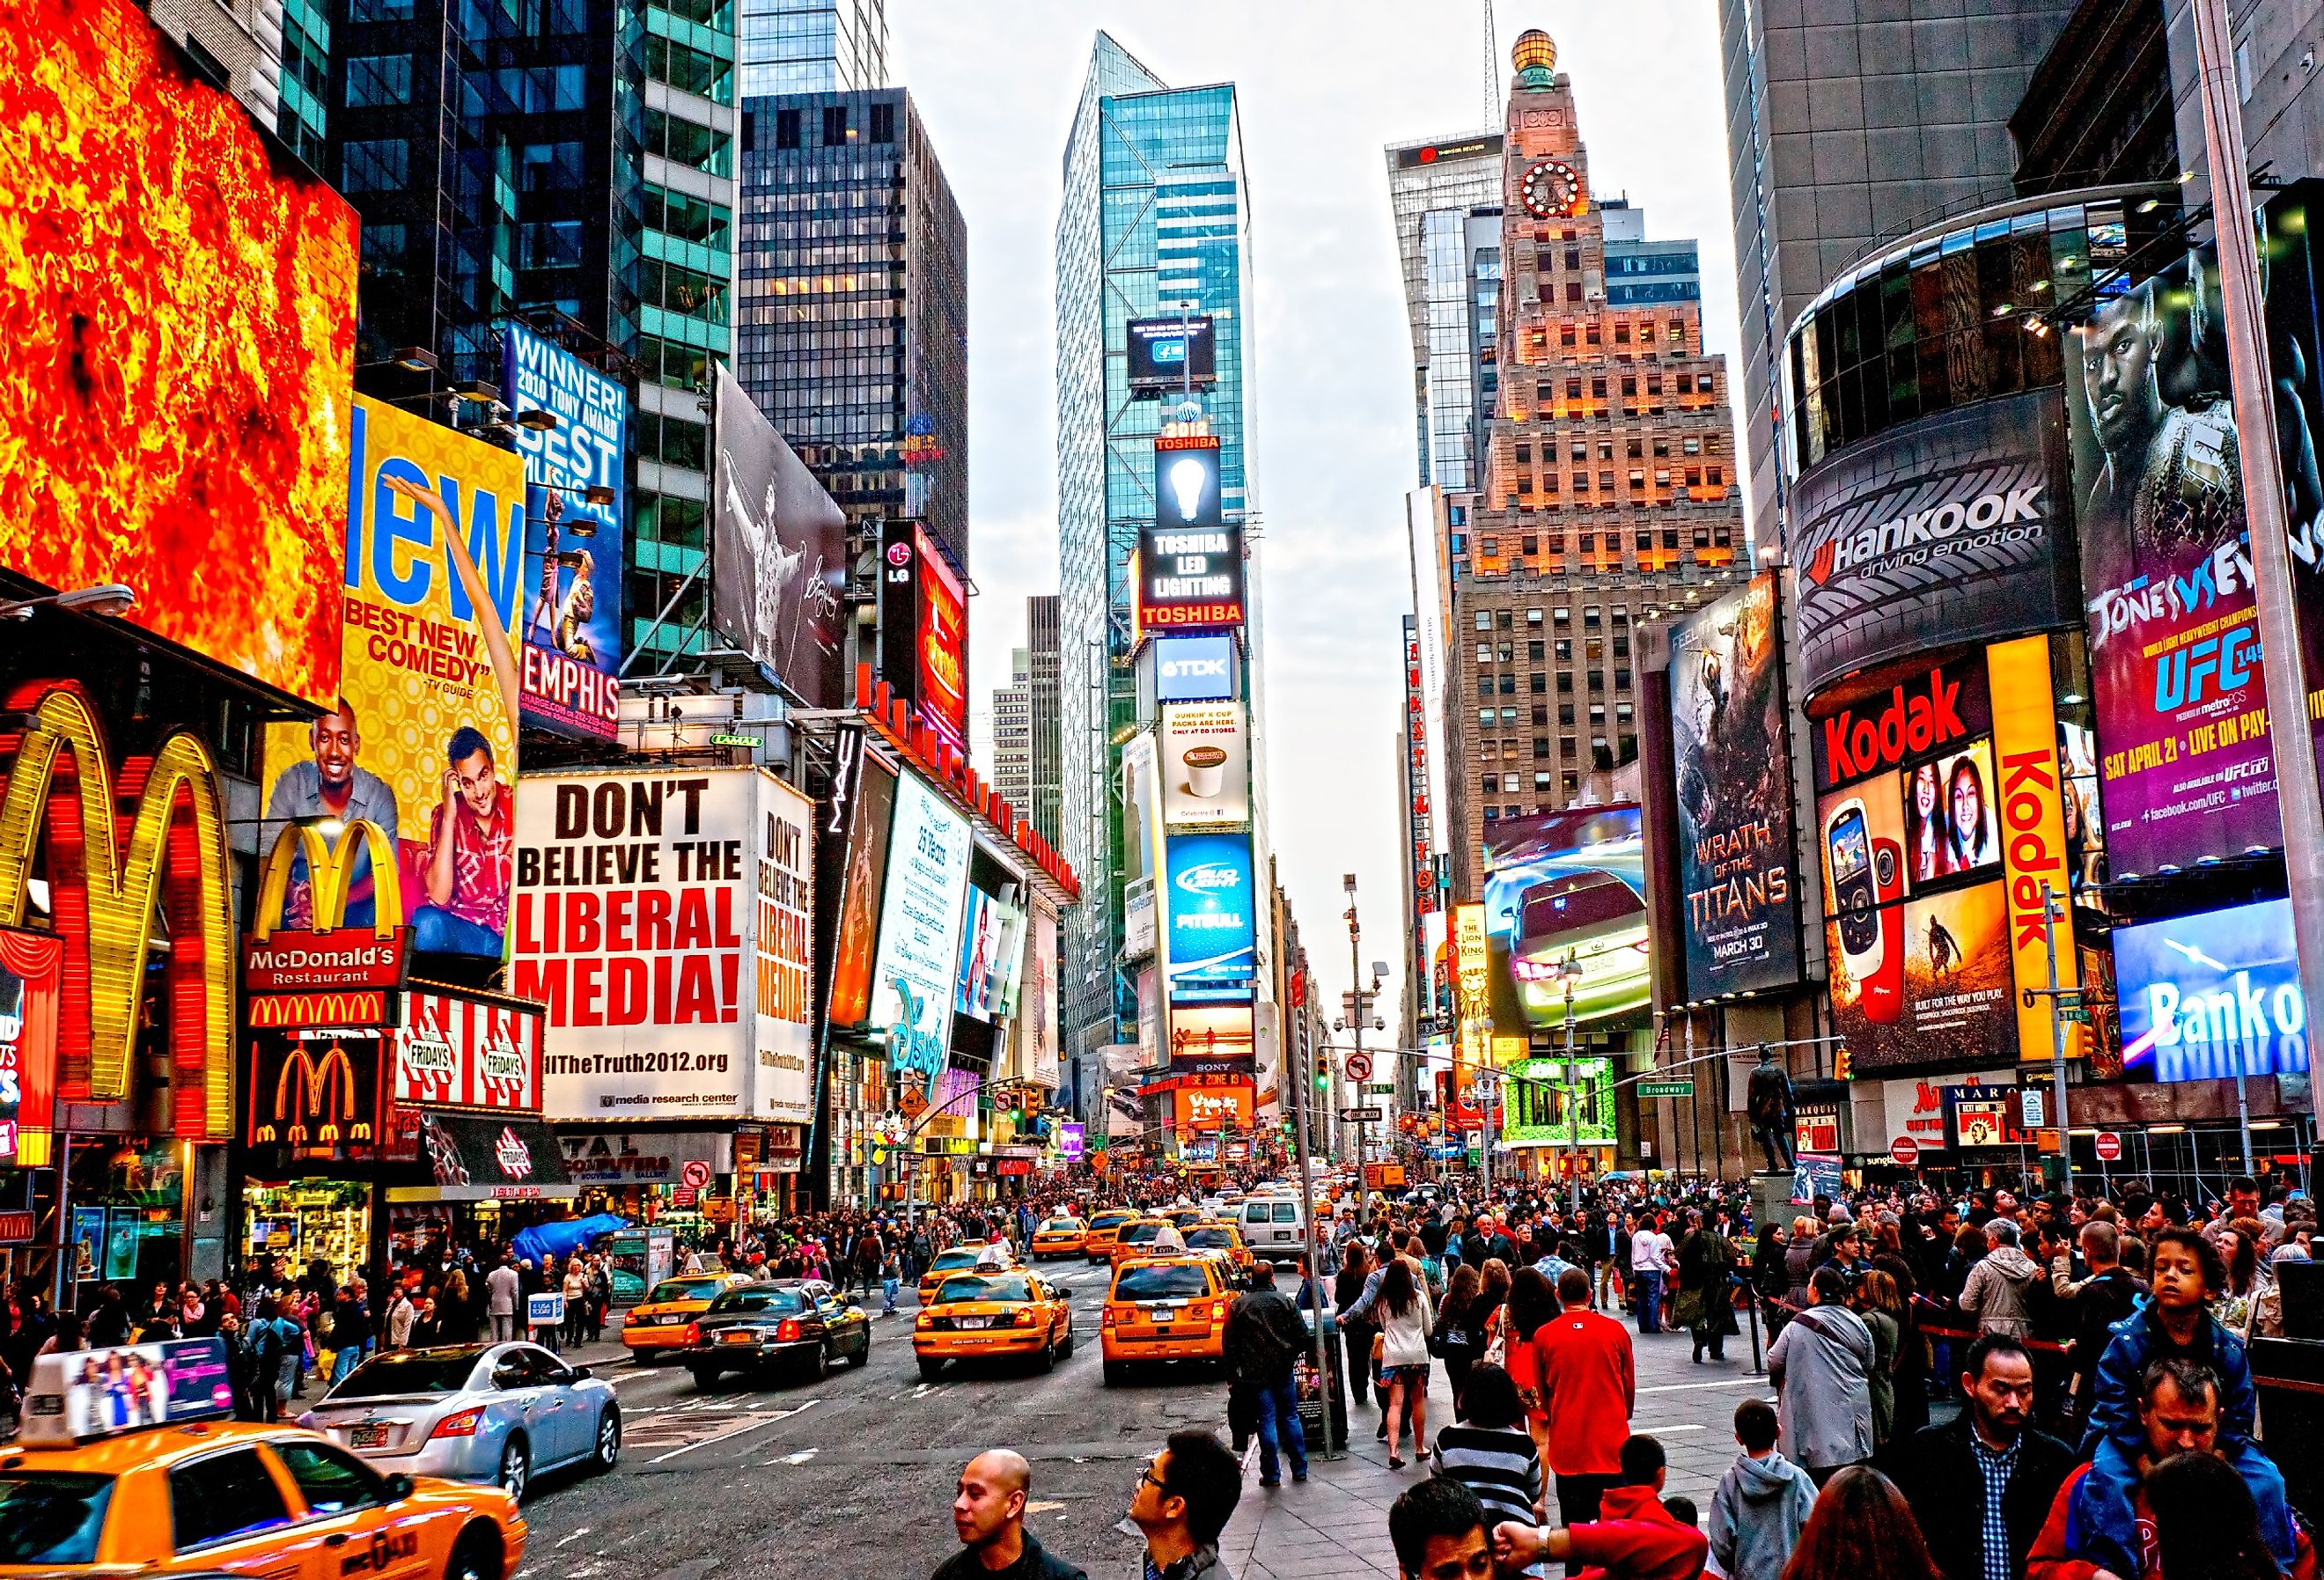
{"x":1589,"y":1386}
{"x":1634,"y":1536}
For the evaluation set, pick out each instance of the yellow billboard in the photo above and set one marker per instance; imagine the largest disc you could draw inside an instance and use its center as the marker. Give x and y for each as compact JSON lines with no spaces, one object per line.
{"x":1471,"y":959}
{"x":2029,"y":788}
{"x":423,"y":743}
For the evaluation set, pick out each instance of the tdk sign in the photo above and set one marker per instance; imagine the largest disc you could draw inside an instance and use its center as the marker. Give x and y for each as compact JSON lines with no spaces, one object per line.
{"x":1193,"y":669}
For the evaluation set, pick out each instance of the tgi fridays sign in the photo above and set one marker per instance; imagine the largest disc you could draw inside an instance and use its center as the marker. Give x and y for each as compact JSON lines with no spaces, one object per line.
{"x":454,"y":1051}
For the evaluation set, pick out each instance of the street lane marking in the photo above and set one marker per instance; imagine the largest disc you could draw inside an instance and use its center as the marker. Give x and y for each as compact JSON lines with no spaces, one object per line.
{"x":1722,"y":1382}
{"x":801,"y":1457}
{"x":689,"y":1436}
{"x":576,"y":1536}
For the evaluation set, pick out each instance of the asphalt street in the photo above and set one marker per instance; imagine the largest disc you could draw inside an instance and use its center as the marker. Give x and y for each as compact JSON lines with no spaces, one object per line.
{"x":853,"y":1476}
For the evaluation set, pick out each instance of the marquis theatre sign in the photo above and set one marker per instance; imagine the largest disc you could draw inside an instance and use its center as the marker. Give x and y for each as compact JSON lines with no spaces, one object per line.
{"x":1934,"y":534}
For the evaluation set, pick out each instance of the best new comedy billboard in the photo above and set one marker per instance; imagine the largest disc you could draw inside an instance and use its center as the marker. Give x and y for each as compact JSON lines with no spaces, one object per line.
{"x":2212,"y":995}
{"x":572,"y":652}
{"x":919,"y":930}
{"x":180,"y":304}
{"x":423,"y":743}
{"x":666,"y":922}
{"x":1565,"y":888}
{"x":780,"y":546}
{"x":1933,"y":533}
{"x":1733,"y":764}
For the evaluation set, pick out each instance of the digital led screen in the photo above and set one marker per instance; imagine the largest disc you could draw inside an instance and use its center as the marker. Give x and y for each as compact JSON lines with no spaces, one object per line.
{"x":1565,"y":899}
{"x":2212,"y":995}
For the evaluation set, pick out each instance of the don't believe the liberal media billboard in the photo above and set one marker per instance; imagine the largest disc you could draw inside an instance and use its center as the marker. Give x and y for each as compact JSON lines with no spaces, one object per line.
{"x":667,"y":923}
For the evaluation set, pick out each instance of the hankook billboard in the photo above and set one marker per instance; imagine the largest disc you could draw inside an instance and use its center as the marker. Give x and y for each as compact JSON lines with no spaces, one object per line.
{"x":1933,"y":534}
{"x":1733,"y":763}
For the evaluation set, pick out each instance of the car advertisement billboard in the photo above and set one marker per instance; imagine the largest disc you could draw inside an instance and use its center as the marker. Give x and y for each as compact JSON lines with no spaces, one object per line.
{"x":422,"y":742}
{"x":1733,"y":764}
{"x":1567,"y":889}
{"x":573,"y":556}
{"x":1211,"y":911}
{"x":780,"y":545}
{"x":665,"y":924}
{"x":1935,"y":532}
{"x":920,"y":929}
{"x":924,"y":630}
{"x":181,"y":310}
{"x":1204,"y":759}
{"x":1193,"y":669}
{"x":2212,"y":995}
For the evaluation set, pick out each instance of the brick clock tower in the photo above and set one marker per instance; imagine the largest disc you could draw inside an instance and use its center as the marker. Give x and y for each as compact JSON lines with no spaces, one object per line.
{"x":1609,"y":499}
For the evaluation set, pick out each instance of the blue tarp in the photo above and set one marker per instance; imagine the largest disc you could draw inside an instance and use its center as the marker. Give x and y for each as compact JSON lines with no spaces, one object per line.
{"x":546,"y":1242}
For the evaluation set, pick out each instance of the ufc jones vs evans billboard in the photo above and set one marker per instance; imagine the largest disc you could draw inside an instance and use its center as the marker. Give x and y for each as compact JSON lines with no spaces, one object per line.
{"x":666,"y":921}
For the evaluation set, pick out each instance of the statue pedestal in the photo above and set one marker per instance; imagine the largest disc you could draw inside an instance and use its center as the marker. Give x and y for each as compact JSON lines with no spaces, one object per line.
{"x":1771,"y":1202}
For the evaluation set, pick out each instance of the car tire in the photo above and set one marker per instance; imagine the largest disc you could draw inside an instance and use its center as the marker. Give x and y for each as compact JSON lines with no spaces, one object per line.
{"x":930,"y":1368}
{"x":704,"y":1376}
{"x":1071,"y":1340}
{"x":1048,"y":1359}
{"x":1117,"y":1373}
{"x":515,"y":1472}
{"x":476,"y":1556}
{"x":818,"y":1367}
{"x":607,"y":1452}
{"x":863,"y":1356}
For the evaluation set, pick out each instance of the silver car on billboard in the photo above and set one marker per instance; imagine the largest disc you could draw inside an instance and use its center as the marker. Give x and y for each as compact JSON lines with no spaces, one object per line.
{"x":501,"y":1413}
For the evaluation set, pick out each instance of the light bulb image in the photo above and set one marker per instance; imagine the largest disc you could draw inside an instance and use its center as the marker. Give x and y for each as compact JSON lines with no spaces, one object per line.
{"x":1188,"y":479}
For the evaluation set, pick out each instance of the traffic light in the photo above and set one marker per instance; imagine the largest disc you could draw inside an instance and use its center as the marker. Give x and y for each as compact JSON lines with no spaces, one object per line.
{"x":1843,"y":1065}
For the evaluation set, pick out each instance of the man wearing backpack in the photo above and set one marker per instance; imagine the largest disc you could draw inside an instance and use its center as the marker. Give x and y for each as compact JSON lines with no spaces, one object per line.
{"x":1263,"y":1338}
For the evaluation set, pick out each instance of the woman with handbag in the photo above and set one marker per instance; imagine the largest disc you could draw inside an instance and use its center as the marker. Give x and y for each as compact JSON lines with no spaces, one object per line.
{"x":1452,"y":1342}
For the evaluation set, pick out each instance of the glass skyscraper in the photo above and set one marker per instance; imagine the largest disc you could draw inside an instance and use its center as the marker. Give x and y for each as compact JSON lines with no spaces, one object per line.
{"x":1434,"y":188}
{"x":813,"y":46}
{"x":1155,"y":214}
{"x":853,"y":321}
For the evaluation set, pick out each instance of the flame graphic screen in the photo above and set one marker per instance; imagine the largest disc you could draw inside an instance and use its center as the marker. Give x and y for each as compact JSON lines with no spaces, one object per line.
{"x":180,"y":311}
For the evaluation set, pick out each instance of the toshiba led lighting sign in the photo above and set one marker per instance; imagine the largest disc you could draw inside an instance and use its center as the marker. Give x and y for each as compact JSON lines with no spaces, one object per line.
{"x":1190,"y":562}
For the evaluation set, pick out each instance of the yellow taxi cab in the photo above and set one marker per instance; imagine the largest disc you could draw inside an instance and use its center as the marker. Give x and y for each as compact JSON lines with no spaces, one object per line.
{"x":1104,"y":1224}
{"x":666,"y":1321}
{"x":1164,"y":1308}
{"x":128,"y":1465}
{"x":1060,"y":1236}
{"x":964,"y":1258}
{"x":1137,"y":1239}
{"x":1182,"y":1217}
{"x":1009,"y":1312}
{"x":1211,"y":1235}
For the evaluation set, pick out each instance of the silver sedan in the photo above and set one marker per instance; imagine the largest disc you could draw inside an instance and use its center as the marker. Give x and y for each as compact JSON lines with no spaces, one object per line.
{"x":497,"y":1413}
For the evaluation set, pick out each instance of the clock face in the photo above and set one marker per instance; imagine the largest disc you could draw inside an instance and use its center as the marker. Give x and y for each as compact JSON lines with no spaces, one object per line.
{"x":1552,"y":187}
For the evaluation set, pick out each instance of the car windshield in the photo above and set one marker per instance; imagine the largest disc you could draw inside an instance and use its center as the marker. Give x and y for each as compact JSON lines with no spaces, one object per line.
{"x":1172,"y":1282}
{"x":1062,"y":1226}
{"x":780,"y":1301}
{"x":985,"y":1286}
{"x":51,"y":1517}
{"x":1210,"y":1239}
{"x":1139,"y":1234}
{"x":1108,"y":1220}
{"x":957,"y":1258}
{"x":409,"y":1372}
{"x":685,"y":1290}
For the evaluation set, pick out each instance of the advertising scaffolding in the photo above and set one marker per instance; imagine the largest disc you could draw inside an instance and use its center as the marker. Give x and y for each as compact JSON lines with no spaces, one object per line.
{"x":665,"y":923}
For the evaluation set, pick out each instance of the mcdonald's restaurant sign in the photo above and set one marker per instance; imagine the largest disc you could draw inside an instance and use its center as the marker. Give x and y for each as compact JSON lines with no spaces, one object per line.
{"x":315,"y":1099}
{"x":326,"y":973}
{"x":127,"y":852}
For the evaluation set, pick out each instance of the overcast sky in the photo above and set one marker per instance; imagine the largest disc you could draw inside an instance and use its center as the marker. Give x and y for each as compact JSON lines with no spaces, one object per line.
{"x":1325,"y":85}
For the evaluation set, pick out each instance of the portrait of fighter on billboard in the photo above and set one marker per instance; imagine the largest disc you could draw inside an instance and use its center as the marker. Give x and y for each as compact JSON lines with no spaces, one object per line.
{"x":2169,"y":480}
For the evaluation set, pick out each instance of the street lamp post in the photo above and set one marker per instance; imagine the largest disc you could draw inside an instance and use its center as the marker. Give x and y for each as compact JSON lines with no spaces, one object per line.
{"x":1571,"y":973}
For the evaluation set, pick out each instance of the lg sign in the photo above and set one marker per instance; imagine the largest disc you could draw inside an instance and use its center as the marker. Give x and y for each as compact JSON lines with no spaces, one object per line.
{"x":1193,"y":669}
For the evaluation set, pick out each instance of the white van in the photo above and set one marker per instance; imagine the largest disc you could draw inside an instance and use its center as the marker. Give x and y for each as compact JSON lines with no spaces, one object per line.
{"x":1272,"y":1224}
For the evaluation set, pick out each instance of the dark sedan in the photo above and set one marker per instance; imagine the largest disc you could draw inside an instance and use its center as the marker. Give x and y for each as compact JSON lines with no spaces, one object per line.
{"x":795,"y":1324}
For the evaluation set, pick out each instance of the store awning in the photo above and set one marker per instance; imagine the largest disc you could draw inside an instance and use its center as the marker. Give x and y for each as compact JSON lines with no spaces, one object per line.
{"x":488,"y":1157}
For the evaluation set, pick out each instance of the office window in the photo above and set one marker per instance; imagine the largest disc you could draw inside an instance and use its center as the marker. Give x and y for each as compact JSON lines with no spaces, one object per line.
{"x":884,"y":122}
{"x":787,"y":129}
{"x":834,"y":125}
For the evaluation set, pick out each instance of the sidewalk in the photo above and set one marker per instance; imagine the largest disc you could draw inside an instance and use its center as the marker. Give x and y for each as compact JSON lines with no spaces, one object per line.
{"x":1337,"y":1523}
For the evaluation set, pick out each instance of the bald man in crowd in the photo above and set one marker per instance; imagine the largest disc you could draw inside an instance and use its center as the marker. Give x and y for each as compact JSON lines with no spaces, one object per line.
{"x":988,"y":1510}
